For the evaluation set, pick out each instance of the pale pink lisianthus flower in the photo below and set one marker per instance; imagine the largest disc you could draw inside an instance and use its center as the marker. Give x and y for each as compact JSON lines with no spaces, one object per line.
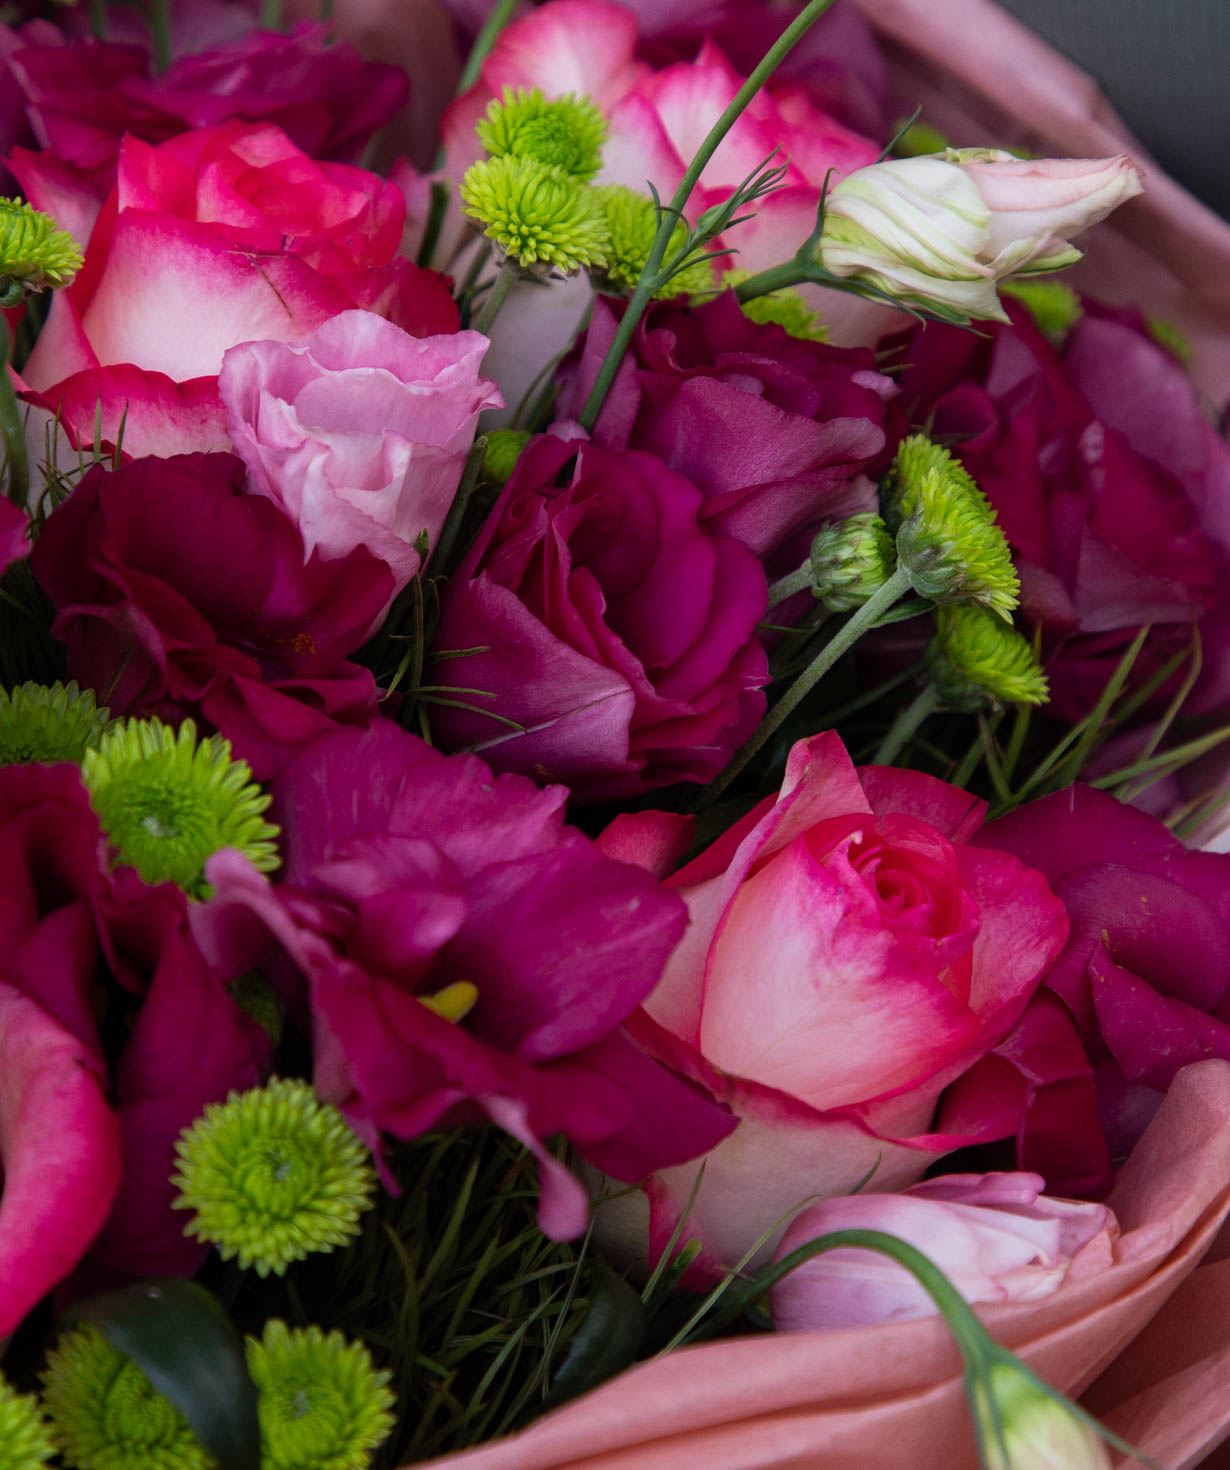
{"x":997,"y":1237}
{"x":359,"y":431}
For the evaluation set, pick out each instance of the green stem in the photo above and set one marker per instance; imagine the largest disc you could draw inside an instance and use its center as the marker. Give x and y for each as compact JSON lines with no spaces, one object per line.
{"x":671,"y":216}
{"x":98,"y":19}
{"x":484,"y":41}
{"x":926,"y":702}
{"x":841,"y":642}
{"x":786,"y":587}
{"x":326,"y":10}
{"x":456,"y":512}
{"x":12,"y":430}
{"x":776,"y":278}
{"x":510,"y":274}
{"x":160,"y":33}
{"x":271,"y":15}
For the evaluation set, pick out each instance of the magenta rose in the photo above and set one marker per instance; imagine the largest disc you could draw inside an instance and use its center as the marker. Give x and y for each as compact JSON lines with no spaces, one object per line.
{"x":1108,"y":481}
{"x":466,"y":958}
{"x":359,"y":431}
{"x":997,"y":1237}
{"x":1142,"y":989}
{"x":212,"y":610}
{"x":778,"y":433}
{"x":612,"y":631}
{"x":849,"y":955}
{"x":223,"y":235}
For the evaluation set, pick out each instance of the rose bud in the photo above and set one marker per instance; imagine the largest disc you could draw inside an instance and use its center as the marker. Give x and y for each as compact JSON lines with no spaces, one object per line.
{"x":943,"y":229}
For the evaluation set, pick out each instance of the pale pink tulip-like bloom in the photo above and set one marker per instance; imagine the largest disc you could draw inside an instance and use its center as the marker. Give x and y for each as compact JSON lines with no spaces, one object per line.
{"x":944,"y":229}
{"x":996,"y":1237}
{"x":359,"y":431}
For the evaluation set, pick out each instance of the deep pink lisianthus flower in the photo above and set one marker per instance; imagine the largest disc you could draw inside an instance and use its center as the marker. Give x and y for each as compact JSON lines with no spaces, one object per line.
{"x":1142,"y":989}
{"x":610,"y":622}
{"x":1108,"y":481}
{"x":59,"y":1149}
{"x":997,"y":1237}
{"x":179,"y":594}
{"x":359,"y":431}
{"x":222,"y":235}
{"x":849,"y":954}
{"x":409,"y":872}
{"x":779,"y":434}
{"x":14,"y":534}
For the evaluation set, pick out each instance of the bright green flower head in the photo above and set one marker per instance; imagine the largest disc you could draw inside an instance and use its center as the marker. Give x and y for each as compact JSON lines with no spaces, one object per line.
{"x":273,"y":1174}
{"x":322,"y":1405}
{"x":851,"y":560}
{"x":504,"y":448}
{"x":168,"y":802}
{"x":25,"y":1443}
{"x":788,"y":310}
{"x":106,"y":1415}
{"x":48,"y":723}
{"x":34,"y":252}
{"x":1055,"y":308}
{"x":977,"y":659}
{"x":947,"y":538}
{"x":632,"y":223}
{"x":566,"y":133}
{"x":537,"y":215}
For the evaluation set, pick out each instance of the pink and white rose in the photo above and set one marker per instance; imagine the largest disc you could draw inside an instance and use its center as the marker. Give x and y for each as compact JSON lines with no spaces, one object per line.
{"x":359,"y":431}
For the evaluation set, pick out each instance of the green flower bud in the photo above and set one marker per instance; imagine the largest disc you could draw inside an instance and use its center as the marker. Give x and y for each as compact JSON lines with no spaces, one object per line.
{"x":566,"y":133}
{"x":977,"y":659}
{"x":322,"y":1405}
{"x":34,"y":252}
{"x":504,"y":448}
{"x":167,"y":802}
{"x":1055,"y":308}
{"x":947,"y":538}
{"x":785,"y":309}
{"x":1171,"y":338}
{"x":537,"y":216}
{"x":273,"y":1174}
{"x":632,"y":223}
{"x":48,"y":723}
{"x":24,"y":1441}
{"x":850,"y":560}
{"x":1023,"y":1425}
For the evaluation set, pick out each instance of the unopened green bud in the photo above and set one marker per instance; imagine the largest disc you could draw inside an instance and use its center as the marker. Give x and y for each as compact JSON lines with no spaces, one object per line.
{"x":1055,"y":308}
{"x":977,"y":659}
{"x":538,"y":216}
{"x":1171,"y":338}
{"x":784,"y":308}
{"x":947,"y":538}
{"x":632,"y":224}
{"x":1023,"y":1425}
{"x":34,"y":252}
{"x":850,"y":560}
{"x":565,"y":133}
{"x":504,"y":448}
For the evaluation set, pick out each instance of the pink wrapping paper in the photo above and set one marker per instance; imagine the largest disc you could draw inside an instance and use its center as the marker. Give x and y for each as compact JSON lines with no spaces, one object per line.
{"x":877,"y":1398}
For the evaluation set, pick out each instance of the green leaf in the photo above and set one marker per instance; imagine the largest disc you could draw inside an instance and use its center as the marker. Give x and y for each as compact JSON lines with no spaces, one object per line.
{"x":184,"y":1343}
{"x":608,"y":1340}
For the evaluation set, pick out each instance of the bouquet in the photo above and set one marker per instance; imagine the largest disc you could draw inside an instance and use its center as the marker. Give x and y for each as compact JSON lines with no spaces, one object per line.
{"x":613,"y":720}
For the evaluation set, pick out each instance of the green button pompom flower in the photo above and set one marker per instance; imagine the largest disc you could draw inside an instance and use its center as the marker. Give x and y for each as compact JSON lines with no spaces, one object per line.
{"x":168,"y":802}
{"x":34,"y":252}
{"x":566,"y":133}
{"x":48,"y":723}
{"x":106,"y":1415}
{"x":632,"y":224}
{"x":976,"y":660}
{"x":851,"y":560}
{"x":273,"y":1174}
{"x":538,"y":216}
{"x":322,"y":1404}
{"x":25,"y":1443}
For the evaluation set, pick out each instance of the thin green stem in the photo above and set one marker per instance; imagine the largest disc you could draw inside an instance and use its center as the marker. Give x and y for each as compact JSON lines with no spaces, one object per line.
{"x":98,"y":19}
{"x":510,"y":274}
{"x":776,"y":278}
{"x":456,"y":513}
{"x":326,"y":10}
{"x":484,"y":41}
{"x":841,"y":642}
{"x":904,"y":727}
{"x":271,"y":15}
{"x":12,"y":430}
{"x":160,"y":33}
{"x":671,"y":215}
{"x":787,"y":586}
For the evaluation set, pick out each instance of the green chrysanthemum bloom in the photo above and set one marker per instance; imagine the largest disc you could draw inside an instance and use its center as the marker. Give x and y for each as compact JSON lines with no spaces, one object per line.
{"x":322,"y":1405}
{"x":565,"y":133}
{"x":34,"y":252}
{"x":273,"y":1174}
{"x":504,"y":448}
{"x":947,"y":538}
{"x":918,"y":138}
{"x":25,"y":1443}
{"x":977,"y":659}
{"x":850,"y":560}
{"x":106,"y":1415}
{"x":537,"y":216}
{"x":788,"y":310}
{"x":167,"y":802}
{"x":1055,"y":308}
{"x":48,"y":723}
{"x":632,"y":223}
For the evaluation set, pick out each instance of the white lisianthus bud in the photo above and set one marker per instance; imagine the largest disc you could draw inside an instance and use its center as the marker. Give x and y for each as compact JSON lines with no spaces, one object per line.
{"x":941,"y":230}
{"x":1039,"y":1429}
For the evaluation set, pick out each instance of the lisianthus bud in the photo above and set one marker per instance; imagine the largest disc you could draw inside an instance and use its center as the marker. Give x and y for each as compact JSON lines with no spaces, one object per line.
{"x":976,"y":659}
{"x":34,"y":252}
{"x":850,"y":560}
{"x":942,"y":229}
{"x":1021,"y":1425}
{"x":632,"y":223}
{"x":565,"y":133}
{"x":537,"y":215}
{"x":947,"y":538}
{"x":504,"y":448}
